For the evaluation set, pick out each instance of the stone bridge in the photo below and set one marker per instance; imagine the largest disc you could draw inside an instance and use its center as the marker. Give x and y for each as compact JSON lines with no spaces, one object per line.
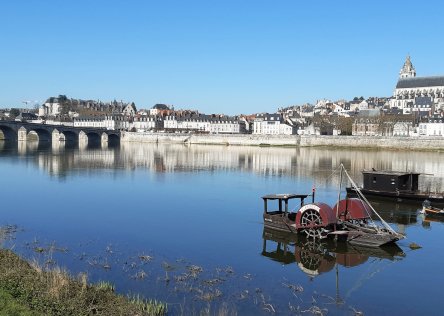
{"x":20,"y":131}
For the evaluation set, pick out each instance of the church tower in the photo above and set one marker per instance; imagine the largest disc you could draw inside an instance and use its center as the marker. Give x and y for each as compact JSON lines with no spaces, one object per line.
{"x":407,"y":71}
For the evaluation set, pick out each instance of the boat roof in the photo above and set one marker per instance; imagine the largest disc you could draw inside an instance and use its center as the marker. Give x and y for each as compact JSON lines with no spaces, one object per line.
{"x":390,"y":173}
{"x":284,"y":196}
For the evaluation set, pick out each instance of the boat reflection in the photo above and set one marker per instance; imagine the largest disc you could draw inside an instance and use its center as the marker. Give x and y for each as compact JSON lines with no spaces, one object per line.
{"x":317,"y":257}
{"x":428,"y":220}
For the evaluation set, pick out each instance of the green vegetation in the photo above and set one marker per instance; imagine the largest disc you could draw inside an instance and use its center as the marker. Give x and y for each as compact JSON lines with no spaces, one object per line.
{"x":10,"y":307}
{"x":13,"y":113}
{"x":27,"y":289}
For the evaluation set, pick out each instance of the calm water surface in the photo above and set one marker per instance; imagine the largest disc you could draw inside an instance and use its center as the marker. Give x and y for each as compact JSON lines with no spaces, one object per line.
{"x":183,"y":224}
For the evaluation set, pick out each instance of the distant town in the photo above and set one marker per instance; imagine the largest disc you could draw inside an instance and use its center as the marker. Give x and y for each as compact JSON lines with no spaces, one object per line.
{"x":415,"y":109}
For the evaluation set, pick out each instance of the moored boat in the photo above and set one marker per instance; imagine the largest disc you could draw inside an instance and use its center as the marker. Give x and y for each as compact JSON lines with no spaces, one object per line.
{"x":349,"y":220}
{"x":429,"y":210}
{"x":396,"y":186}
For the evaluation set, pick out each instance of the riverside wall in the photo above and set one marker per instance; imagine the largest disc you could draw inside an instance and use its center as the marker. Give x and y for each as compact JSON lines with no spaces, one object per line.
{"x":395,"y":143}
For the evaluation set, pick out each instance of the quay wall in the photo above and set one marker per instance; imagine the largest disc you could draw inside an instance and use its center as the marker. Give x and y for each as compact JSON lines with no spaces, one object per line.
{"x":376,"y":142}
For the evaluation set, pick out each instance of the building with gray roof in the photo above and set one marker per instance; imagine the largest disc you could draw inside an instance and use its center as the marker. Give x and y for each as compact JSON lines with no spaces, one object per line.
{"x":410,"y":89}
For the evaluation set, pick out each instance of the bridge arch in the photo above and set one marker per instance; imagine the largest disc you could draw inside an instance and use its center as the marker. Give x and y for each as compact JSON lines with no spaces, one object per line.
{"x":70,"y":136}
{"x":113,"y":139}
{"x":90,"y":138}
{"x":8,"y":132}
{"x":94,"y":138}
{"x":43,"y":135}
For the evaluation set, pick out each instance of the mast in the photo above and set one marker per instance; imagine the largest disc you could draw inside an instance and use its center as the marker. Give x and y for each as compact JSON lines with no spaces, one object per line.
{"x":339,"y":191}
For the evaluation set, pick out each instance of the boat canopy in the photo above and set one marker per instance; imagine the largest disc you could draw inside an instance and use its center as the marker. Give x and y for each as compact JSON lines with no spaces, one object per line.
{"x":389,"y":172}
{"x":390,"y":181}
{"x":284,"y":196}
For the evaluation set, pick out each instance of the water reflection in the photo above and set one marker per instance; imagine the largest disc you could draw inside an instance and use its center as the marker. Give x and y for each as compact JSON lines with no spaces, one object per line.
{"x":316,"y":163}
{"x":171,"y":214}
{"x":314,"y":258}
{"x":317,"y":257}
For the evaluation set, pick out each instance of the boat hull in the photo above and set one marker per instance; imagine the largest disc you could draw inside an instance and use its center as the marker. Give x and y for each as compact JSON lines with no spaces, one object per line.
{"x":355,"y":235}
{"x":433,"y":212}
{"x":279,"y":223}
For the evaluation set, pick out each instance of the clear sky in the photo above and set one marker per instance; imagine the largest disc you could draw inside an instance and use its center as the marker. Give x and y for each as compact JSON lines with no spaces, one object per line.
{"x":215,"y":56}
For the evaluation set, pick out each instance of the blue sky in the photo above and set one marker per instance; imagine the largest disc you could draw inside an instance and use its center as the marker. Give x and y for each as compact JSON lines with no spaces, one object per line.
{"x":215,"y":56}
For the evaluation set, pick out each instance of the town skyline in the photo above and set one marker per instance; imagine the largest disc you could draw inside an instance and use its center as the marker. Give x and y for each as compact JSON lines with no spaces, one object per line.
{"x":224,"y":58}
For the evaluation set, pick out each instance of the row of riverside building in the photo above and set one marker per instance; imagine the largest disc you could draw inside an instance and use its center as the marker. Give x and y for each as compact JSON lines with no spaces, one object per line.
{"x":415,"y":109}
{"x":266,"y":124}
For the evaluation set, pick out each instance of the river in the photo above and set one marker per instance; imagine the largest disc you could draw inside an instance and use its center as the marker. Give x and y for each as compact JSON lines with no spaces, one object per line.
{"x":183,"y":224}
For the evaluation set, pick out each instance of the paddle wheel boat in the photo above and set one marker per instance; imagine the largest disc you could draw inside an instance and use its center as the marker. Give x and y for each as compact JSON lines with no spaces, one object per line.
{"x":349,"y":219}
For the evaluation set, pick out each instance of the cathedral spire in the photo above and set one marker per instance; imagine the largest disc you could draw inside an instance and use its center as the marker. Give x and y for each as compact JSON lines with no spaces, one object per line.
{"x":407,"y":71}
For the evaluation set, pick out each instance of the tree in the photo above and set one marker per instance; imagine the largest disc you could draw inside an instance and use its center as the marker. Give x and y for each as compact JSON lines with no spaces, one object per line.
{"x":345,"y":125}
{"x":13,"y":113}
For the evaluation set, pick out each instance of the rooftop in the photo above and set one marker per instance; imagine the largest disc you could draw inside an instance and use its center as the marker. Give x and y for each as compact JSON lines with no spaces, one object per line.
{"x":420,"y":82}
{"x":389,"y":172}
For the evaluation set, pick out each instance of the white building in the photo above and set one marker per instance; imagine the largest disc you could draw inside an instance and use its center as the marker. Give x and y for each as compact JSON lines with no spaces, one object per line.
{"x":410,"y":87}
{"x":50,"y":108}
{"x":170,"y":122}
{"x":197,"y":124}
{"x":111,"y":122}
{"x":205,"y":123}
{"x":309,"y":130}
{"x":271,"y":124}
{"x":434,"y":127}
{"x":403,"y":129}
{"x":129,"y":110}
{"x":147,"y":123}
{"x":227,"y":126}
{"x":158,"y":109}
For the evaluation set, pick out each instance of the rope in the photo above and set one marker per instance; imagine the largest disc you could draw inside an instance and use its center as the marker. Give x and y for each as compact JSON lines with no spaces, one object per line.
{"x":386,"y":225}
{"x":316,"y":184}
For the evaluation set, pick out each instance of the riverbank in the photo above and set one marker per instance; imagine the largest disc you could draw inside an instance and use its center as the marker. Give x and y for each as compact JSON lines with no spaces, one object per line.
{"x":27,"y":289}
{"x":361,"y":142}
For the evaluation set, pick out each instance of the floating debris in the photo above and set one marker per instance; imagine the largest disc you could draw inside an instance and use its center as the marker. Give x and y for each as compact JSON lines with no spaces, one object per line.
{"x":50,"y":262}
{"x":39,"y":249}
{"x":356,"y":312}
{"x":106,"y":266}
{"x":109,"y":249}
{"x":145,"y":258}
{"x":315,"y":310}
{"x":414,"y":246}
{"x":181,"y":278}
{"x":7,"y":232}
{"x":243,"y":295}
{"x":195,"y":270}
{"x":248,"y":276}
{"x":209,"y":296}
{"x":213,"y":282}
{"x":140,"y":275}
{"x":294,"y":288}
{"x":167,"y":267}
{"x":269,"y":308}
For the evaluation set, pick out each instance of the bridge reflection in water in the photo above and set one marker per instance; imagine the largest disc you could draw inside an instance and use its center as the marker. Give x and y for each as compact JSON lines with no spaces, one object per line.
{"x":311,"y":163}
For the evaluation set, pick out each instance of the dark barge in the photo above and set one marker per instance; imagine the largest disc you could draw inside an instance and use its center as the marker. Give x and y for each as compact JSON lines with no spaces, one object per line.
{"x":396,"y":186}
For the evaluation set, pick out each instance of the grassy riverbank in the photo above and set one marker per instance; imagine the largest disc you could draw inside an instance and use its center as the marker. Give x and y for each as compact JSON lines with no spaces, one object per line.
{"x":27,"y":289}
